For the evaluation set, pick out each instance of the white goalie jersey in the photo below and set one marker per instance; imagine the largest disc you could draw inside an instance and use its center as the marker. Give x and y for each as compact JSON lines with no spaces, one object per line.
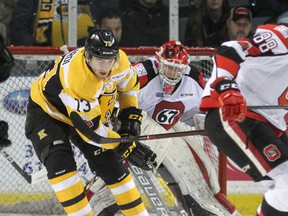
{"x":168,"y":109}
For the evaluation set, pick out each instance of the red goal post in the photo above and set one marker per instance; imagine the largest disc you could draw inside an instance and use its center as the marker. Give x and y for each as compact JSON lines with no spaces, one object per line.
{"x":29,"y":63}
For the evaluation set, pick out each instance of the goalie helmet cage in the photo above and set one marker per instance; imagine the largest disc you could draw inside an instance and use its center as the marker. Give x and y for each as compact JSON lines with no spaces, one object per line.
{"x":19,"y":197}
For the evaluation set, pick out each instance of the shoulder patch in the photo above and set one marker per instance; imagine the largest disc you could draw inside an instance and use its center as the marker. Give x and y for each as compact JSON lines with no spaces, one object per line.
{"x":141,"y":71}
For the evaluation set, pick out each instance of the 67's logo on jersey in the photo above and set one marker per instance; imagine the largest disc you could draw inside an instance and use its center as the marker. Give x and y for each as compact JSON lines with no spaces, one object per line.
{"x":167,"y":114}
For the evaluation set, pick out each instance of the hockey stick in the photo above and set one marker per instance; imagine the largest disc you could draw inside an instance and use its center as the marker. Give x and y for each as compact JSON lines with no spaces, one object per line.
{"x":89,"y":133}
{"x":31,"y":179}
{"x":285,"y":106}
{"x":159,"y":199}
{"x":162,"y":201}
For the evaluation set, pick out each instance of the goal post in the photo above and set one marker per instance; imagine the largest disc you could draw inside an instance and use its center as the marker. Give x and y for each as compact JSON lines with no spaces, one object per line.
{"x":17,"y":196}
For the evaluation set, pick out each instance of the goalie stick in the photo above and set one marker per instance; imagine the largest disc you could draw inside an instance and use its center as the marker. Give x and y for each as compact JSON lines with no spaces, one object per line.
{"x":161,"y":199}
{"x":158,"y":198}
{"x":31,"y":179}
{"x":84,"y":129}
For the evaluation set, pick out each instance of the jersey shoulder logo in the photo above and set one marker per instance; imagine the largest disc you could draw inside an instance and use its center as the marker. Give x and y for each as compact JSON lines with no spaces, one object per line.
{"x":141,"y":70}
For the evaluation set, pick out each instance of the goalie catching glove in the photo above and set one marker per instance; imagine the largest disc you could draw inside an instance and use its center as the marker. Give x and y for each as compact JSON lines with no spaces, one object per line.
{"x":232,"y":102}
{"x":131,"y":119}
{"x":138,"y":154}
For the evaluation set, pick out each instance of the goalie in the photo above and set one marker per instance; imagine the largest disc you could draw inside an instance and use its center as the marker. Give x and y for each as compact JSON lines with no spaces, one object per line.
{"x":170,"y":94}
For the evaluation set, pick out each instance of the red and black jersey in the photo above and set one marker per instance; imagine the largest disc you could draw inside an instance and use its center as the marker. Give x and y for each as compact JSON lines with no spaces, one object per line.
{"x":260,"y":67}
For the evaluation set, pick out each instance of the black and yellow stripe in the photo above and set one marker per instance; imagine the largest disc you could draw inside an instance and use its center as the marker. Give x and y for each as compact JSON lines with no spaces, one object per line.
{"x":69,"y":191}
{"x":128,"y":197}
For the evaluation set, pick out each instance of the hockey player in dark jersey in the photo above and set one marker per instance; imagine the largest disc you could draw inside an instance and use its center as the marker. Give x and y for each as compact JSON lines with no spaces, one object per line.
{"x":251,"y":72}
{"x":86,"y":81}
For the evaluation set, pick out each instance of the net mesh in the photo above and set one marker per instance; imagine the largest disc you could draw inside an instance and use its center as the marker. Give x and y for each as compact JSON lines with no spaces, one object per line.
{"x":18,"y":196}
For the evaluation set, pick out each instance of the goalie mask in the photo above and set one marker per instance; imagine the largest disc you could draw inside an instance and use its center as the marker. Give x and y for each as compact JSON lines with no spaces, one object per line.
{"x":172,"y":60}
{"x":101,"y":51}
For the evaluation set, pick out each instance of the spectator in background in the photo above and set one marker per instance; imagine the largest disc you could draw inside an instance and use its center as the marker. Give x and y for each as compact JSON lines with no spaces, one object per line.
{"x":145,"y":22}
{"x":6,"y":9}
{"x":111,"y":19}
{"x":238,"y":25}
{"x":45,"y":23}
{"x":97,"y":7}
{"x":204,"y":21}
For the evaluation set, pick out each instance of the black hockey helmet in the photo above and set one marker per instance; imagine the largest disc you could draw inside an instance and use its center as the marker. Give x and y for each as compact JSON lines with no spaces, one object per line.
{"x":102,"y":44}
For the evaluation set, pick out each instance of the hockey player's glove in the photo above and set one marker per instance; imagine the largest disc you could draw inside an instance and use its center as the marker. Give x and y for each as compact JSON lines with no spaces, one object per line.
{"x":138,"y":154}
{"x":4,"y":141}
{"x":232,"y":102}
{"x":131,"y":119}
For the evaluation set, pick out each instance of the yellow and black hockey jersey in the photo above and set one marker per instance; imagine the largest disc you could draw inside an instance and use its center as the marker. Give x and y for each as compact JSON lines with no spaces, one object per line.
{"x":69,"y":85}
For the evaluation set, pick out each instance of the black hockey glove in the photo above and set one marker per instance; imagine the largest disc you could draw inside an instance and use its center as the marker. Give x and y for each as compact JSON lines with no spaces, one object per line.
{"x":4,"y":141}
{"x":138,"y":154}
{"x":131,"y":119}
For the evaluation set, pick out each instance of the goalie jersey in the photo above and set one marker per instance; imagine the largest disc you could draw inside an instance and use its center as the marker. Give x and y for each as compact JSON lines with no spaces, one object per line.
{"x":260,"y":67}
{"x":164,"y":108}
{"x":69,"y":85}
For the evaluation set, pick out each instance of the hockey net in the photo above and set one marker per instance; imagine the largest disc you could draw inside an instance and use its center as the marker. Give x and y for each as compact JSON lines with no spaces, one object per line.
{"x":18,"y":196}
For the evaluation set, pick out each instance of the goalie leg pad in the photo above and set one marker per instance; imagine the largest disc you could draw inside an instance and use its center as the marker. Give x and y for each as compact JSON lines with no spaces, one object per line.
{"x":161,"y":146}
{"x":179,"y":160}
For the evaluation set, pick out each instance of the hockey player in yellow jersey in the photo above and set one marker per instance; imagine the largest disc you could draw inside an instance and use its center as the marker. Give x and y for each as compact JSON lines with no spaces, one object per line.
{"x":87,"y":81}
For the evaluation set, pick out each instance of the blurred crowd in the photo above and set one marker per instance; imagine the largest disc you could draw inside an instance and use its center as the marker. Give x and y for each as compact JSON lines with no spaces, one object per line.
{"x":136,"y":22}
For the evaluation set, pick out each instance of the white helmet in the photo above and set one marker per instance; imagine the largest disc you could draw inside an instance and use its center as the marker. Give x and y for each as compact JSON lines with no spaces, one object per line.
{"x":172,"y":60}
